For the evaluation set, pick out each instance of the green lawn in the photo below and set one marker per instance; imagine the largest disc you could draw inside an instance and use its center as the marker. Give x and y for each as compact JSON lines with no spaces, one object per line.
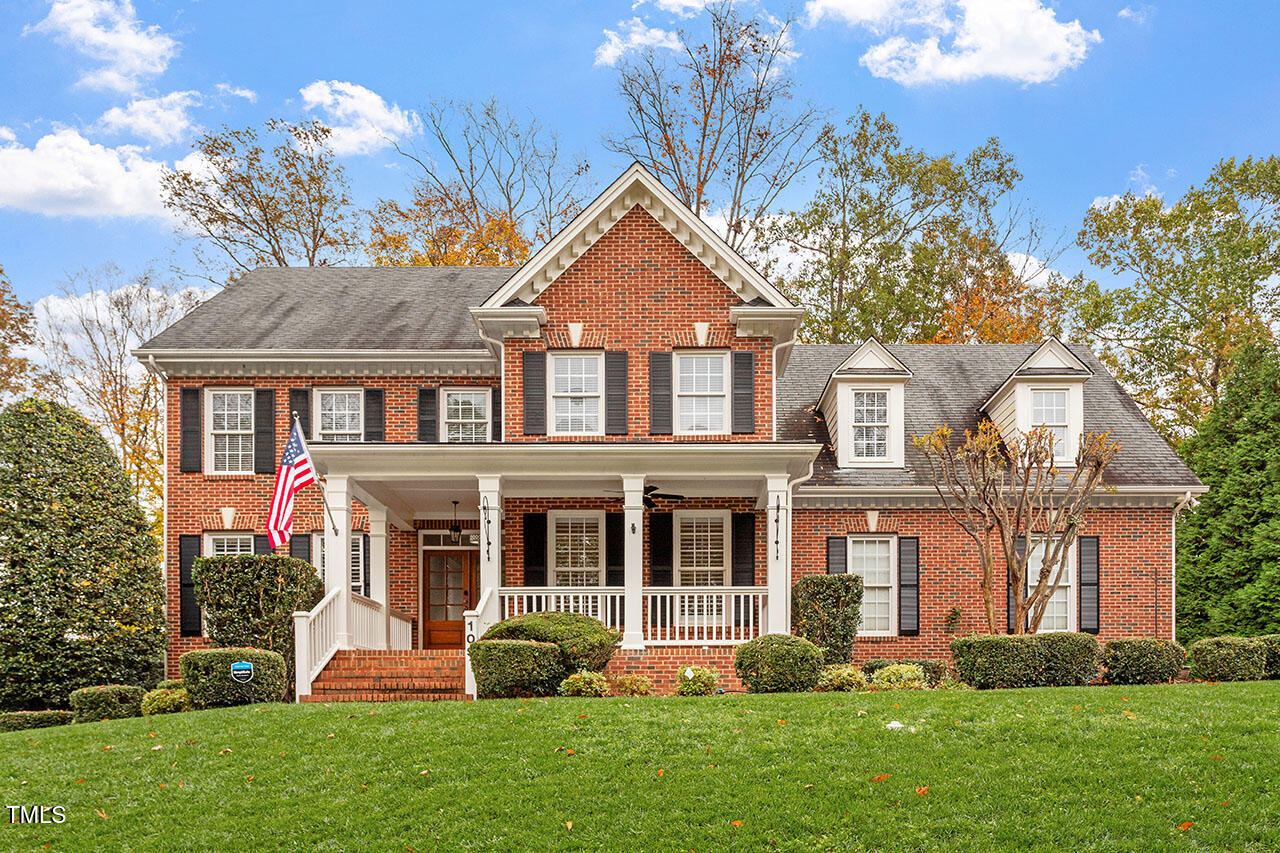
{"x":1058,"y":768}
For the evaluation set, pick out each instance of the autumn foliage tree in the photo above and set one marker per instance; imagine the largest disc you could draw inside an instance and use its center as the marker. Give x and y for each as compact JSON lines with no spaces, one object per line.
{"x":1007,"y":491}
{"x":434,"y":229}
{"x":993,"y":299}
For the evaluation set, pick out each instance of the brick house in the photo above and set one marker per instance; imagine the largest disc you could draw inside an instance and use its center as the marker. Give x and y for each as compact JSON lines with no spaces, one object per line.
{"x":625,"y":426}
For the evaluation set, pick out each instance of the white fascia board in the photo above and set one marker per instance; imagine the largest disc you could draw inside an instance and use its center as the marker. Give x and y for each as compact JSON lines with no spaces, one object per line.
{"x":179,"y":363}
{"x":1112,"y":495}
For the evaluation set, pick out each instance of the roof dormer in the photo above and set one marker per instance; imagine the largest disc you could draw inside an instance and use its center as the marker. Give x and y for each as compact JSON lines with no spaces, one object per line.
{"x":1047,"y":389}
{"x":864,"y":409}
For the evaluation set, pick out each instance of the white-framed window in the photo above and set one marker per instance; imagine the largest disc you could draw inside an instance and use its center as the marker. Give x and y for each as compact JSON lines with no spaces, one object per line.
{"x":875,"y":560}
{"x":465,"y":414}
{"x":1060,"y":612}
{"x":230,"y":430}
{"x":228,"y":544}
{"x":1049,"y":408}
{"x":576,"y":546}
{"x":702,"y":393}
{"x":357,"y":559}
{"x":702,"y":548}
{"x":870,"y":424}
{"x":576,"y":394}
{"x":339,"y":414}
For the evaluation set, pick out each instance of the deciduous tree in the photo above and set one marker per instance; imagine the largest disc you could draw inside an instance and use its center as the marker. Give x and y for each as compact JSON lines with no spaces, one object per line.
{"x":16,"y":332}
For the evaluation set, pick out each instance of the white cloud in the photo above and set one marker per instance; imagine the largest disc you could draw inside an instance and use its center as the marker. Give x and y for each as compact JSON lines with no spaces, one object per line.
{"x":1140,"y":15}
{"x":237,"y":92}
{"x":64,"y":174}
{"x":963,"y":40}
{"x":361,"y":121}
{"x":7,"y":134}
{"x":163,"y":119}
{"x":1139,"y":183}
{"x":633,"y":35}
{"x":109,"y":32}
{"x":679,"y":8}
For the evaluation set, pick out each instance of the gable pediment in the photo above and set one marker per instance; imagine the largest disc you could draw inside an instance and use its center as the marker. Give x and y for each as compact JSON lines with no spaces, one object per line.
{"x":872,"y":358}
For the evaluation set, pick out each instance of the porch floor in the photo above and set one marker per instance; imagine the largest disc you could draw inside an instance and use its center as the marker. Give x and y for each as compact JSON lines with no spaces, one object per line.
{"x":382,"y":676}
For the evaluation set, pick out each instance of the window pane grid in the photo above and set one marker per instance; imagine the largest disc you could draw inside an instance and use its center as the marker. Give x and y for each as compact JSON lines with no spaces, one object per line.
{"x":1057,"y":611}
{"x":223,"y":546}
{"x":871,"y":559}
{"x":466,"y":415}
{"x":1049,"y":409}
{"x":701,"y":551}
{"x":232,"y":427}
{"x":340,"y":416}
{"x":701,"y":393}
{"x":576,"y":551}
{"x":575,"y":392}
{"x":870,"y":424}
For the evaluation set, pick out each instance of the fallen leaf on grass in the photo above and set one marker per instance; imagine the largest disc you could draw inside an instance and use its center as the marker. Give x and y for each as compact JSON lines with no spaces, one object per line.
{"x":151,"y":734}
{"x":922,"y":790}
{"x":880,"y":778}
{"x":582,"y":716}
{"x":569,"y":824}
{"x":1216,"y":758}
{"x":1183,"y":827}
{"x":100,"y":813}
{"x":569,"y":752}
{"x":329,"y":735}
{"x":736,"y":823}
{"x":78,"y":781}
{"x":157,"y":746}
{"x":105,"y":748}
{"x":228,"y":749}
{"x":782,"y":722}
{"x":425,"y":773}
{"x":660,"y":772}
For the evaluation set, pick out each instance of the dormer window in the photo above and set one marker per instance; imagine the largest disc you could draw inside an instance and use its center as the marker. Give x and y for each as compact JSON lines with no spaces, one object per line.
{"x":1045,"y":390}
{"x":1049,"y":409}
{"x":870,"y":425}
{"x":864,"y":407}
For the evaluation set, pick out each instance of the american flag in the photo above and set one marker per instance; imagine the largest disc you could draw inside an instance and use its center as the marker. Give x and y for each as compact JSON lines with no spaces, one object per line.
{"x":295,"y":472}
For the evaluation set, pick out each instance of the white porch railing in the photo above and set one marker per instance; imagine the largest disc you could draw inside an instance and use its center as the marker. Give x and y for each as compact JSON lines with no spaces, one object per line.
{"x":603,"y":603}
{"x":685,"y":616}
{"x":401,"y":630}
{"x":315,"y":639}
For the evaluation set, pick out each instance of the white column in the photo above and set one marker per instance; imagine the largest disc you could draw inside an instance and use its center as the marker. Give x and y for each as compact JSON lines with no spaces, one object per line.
{"x":337,"y":553}
{"x":379,"y":569}
{"x":633,"y":562}
{"x":778,"y":528}
{"x":490,"y":545}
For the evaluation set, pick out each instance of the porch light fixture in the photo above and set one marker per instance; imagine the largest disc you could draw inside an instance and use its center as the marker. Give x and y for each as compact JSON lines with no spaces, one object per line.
{"x":777,"y":529}
{"x":484,"y":510}
{"x":455,"y":529}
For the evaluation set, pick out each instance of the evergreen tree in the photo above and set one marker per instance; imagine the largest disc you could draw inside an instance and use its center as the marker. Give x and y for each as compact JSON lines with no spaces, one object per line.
{"x":1229,"y":546}
{"x":81,"y":597}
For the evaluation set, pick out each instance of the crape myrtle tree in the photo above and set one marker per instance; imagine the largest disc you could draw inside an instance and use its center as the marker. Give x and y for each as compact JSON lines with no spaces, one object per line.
{"x":1005,"y":492}
{"x":81,"y":599}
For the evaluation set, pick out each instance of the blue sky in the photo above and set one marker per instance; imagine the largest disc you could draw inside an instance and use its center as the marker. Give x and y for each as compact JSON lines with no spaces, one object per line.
{"x":1094,"y":98}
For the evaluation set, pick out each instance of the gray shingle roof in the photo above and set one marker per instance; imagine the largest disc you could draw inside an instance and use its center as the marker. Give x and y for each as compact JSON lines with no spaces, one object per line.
{"x":339,"y":308}
{"x":950,"y":383}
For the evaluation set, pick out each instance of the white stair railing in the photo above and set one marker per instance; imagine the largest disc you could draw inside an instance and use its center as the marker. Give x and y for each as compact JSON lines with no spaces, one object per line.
{"x":368,"y":623}
{"x":401,"y":630}
{"x":315,"y":639}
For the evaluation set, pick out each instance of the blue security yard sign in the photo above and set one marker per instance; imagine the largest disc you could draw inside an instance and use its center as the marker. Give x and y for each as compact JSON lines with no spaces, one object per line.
{"x":241,"y":671}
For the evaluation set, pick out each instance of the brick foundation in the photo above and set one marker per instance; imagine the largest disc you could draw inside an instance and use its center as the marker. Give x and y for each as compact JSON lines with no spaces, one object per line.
{"x":663,"y":664}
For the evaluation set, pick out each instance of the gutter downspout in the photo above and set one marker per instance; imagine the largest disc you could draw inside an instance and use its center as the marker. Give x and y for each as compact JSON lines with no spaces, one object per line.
{"x":1188,"y":502}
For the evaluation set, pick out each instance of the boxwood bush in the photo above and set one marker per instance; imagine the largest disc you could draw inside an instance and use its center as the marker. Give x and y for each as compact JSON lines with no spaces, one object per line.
{"x":934,"y":670}
{"x":778,"y":663}
{"x":169,"y":684}
{"x":847,"y":677}
{"x":106,"y":702}
{"x":1068,"y":658}
{"x":165,"y":700}
{"x":696,"y":681}
{"x":585,"y":643}
{"x":505,"y":668}
{"x":13,"y":721}
{"x":1228,"y":659}
{"x":825,"y":610}
{"x":1272,"y":642}
{"x":1026,"y":660}
{"x":206,"y":675}
{"x":1141,"y":660}
{"x":899,"y":676}
{"x":585,"y":684}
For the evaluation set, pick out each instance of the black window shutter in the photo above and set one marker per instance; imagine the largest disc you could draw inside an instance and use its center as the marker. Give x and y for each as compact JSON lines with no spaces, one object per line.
{"x":428,"y":415}
{"x":264,"y":431}
{"x":535,"y":393}
{"x":535,"y":549}
{"x":300,"y":547}
{"x":495,"y":415}
{"x":615,"y":392}
{"x":189,"y":623}
{"x":1089,"y":569}
{"x":300,"y":405}
{"x":661,"y":407}
{"x":909,"y":586}
{"x":744,"y":392}
{"x":1021,"y":548}
{"x":364,"y":545}
{"x":744,"y":549}
{"x":262,"y":544}
{"x":375,"y":418}
{"x":661,"y":545}
{"x":837,"y":555}
{"x":614,"y":550}
{"x":191,"y":431}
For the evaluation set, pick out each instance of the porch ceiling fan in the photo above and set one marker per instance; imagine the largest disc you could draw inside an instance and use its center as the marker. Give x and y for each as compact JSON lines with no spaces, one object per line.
{"x":651,"y":492}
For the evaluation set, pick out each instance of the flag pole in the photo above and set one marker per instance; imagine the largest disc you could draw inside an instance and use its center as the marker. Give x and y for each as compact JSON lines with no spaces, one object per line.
{"x":324,"y":498}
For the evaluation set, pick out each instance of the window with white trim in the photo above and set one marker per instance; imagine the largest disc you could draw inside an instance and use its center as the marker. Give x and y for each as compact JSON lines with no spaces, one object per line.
{"x":231,"y":431}
{"x":576,"y":391}
{"x":1049,"y":409}
{"x":229,"y":544}
{"x":339,"y":414}
{"x":1060,"y":611}
{"x":701,"y":393}
{"x":875,"y":561}
{"x":870,"y":425}
{"x":702,"y":549}
{"x":357,"y":559}
{"x":577,"y":548}
{"x":465,"y":413}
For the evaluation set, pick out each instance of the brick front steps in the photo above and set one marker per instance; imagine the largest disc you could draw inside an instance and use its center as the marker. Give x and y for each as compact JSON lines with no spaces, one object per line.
{"x":376,"y":676}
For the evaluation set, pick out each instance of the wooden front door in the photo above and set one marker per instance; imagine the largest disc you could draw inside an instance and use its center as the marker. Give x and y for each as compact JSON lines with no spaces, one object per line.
{"x":452,"y":579}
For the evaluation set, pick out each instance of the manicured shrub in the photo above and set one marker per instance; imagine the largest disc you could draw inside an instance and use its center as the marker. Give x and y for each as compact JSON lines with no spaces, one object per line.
{"x":505,"y":668}
{"x":899,"y":676}
{"x":206,"y":675}
{"x":1228,"y":659}
{"x":1068,"y":658}
{"x":585,"y":643}
{"x":13,"y":721}
{"x":585,"y":684}
{"x":81,"y":594}
{"x":696,"y":681}
{"x":845,"y":677}
{"x":1141,"y":660}
{"x":1272,"y":642}
{"x":934,"y":670}
{"x":825,"y":610}
{"x":106,"y":702}
{"x":249,"y":600}
{"x":165,"y":700}
{"x":632,"y":684}
{"x":1026,"y":660}
{"x":778,"y":663}
{"x":169,"y":684}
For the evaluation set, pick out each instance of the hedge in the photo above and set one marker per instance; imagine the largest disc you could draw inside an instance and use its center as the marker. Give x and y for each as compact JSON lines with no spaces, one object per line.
{"x":585,"y":643}
{"x":847,"y":677}
{"x":585,"y":684}
{"x":14,"y":721}
{"x":106,"y":702}
{"x":934,"y":670}
{"x":1026,"y":660}
{"x":1069,"y":659}
{"x":778,"y":663}
{"x":1272,"y":642}
{"x":206,"y":675}
{"x":1141,"y":660}
{"x":165,"y":700}
{"x":825,"y":610}
{"x":632,"y":684}
{"x":696,"y":681}
{"x":169,"y":684}
{"x":899,"y":676}
{"x":505,"y":668}
{"x":1228,"y":659}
